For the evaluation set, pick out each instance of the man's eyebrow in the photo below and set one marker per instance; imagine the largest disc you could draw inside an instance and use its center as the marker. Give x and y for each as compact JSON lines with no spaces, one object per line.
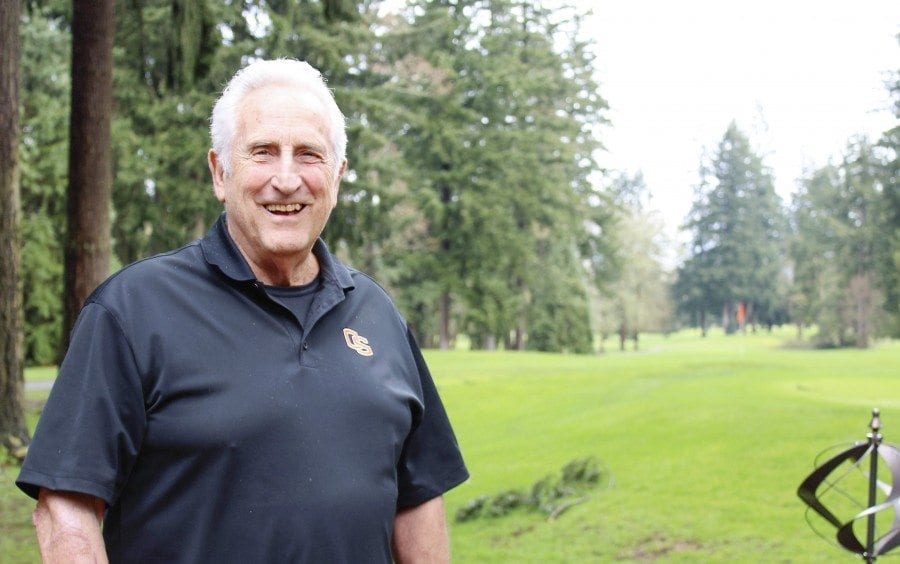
{"x":314,"y":147}
{"x":248,"y":145}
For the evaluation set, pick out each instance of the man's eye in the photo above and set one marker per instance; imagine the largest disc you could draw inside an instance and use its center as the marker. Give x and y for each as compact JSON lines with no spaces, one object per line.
{"x":261,"y":152}
{"x":309,"y":157}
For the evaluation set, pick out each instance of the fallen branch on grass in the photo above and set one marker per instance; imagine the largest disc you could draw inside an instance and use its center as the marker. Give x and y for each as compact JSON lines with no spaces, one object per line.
{"x":549,"y":496}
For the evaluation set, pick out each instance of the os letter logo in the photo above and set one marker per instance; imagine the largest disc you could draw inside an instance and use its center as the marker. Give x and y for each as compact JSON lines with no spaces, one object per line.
{"x":357,"y":342}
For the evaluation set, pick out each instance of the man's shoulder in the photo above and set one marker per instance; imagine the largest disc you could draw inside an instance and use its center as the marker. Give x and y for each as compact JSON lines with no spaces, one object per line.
{"x":343,"y":274}
{"x":362,"y":289}
{"x":151,"y":273}
{"x":365,"y":284}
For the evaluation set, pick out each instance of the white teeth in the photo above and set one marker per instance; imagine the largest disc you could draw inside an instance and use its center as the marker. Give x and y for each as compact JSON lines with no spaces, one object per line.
{"x":285,"y":208}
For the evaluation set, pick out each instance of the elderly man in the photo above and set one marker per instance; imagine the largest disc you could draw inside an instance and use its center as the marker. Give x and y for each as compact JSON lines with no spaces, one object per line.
{"x":247,"y":398}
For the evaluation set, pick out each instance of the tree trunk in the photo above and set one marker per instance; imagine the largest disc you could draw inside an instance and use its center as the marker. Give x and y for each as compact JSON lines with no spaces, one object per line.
{"x":445,"y":322}
{"x":13,"y":432}
{"x":90,"y":163}
{"x":726,"y":318}
{"x":518,"y":343}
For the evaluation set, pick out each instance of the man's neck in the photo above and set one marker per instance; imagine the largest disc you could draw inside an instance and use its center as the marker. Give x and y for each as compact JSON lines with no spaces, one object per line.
{"x":289,"y":270}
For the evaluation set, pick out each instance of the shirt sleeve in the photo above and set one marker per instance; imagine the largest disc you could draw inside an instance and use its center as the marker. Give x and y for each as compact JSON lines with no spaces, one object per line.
{"x":90,"y":430}
{"x":431,"y":462}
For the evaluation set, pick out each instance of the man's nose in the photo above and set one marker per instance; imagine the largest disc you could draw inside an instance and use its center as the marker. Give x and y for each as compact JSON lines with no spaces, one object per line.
{"x":287,"y":177}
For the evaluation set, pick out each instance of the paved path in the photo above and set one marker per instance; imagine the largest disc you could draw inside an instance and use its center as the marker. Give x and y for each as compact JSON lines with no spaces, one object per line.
{"x":38,"y":385}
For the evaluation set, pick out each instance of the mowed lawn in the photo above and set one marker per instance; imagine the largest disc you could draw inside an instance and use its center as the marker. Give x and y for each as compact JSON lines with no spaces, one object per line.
{"x":705,"y":442}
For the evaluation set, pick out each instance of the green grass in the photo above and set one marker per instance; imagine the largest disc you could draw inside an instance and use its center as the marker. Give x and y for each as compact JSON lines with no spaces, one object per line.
{"x":706,"y":441}
{"x":40,"y":373}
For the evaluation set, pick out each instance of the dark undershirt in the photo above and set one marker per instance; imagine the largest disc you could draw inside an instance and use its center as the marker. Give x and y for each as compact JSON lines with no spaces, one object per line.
{"x":298,"y":299}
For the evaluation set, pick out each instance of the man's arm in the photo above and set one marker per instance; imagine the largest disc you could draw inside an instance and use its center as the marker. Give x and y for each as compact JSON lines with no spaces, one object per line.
{"x":68,"y":527}
{"x":420,"y":534}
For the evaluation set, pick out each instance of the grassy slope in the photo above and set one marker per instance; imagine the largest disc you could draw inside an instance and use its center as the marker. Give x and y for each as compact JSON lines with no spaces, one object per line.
{"x":706,"y":441}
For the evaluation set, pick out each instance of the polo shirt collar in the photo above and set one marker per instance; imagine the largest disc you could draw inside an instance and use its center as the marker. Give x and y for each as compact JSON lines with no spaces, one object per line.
{"x":219,"y":250}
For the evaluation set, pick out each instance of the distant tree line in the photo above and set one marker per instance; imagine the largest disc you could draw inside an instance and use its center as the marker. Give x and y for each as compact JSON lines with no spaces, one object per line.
{"x":829,"y":260}
{"x":473,"y":193}
{"x":845,"y":245}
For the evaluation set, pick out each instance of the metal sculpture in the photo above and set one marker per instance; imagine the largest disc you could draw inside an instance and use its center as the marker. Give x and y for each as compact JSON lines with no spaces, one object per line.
{"x":873,"y":450}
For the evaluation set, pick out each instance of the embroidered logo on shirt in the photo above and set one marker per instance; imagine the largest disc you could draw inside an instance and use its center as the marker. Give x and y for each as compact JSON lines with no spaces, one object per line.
{"x":357,"y":342}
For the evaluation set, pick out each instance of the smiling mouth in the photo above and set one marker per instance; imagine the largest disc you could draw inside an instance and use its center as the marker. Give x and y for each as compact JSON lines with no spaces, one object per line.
{"x":284,"y":209}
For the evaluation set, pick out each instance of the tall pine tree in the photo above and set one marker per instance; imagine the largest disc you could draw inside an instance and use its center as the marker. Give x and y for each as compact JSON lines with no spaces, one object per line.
{"x":842,"y":248}
{"x":738,"y":228}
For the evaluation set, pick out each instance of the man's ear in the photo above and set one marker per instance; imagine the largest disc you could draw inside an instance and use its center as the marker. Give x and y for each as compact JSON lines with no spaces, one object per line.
{"x":337,"y":180}
{"x":218,"y":174}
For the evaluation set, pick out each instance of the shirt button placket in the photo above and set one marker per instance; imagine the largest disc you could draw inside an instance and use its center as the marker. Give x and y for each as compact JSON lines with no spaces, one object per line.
{"x":304,"y":346}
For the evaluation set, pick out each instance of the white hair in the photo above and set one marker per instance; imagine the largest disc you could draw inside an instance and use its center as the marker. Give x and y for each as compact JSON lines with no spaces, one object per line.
{"x":263,"y":73}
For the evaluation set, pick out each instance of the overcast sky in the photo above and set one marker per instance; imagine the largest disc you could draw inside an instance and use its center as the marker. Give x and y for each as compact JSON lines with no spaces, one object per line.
{"x":800,"y":77}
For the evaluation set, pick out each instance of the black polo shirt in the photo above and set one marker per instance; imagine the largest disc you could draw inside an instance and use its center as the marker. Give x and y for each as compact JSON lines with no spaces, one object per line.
{"x":218,"y":429}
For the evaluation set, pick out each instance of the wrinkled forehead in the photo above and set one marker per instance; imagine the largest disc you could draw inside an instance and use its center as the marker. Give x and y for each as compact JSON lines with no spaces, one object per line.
{"x":283,"y":106}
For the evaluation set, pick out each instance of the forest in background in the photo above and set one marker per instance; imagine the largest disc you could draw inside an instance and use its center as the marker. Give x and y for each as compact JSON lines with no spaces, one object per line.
{"x":472,"y":193}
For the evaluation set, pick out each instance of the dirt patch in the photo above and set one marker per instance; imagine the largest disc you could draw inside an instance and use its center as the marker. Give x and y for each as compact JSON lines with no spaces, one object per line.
{"x":506,"y":540}
{"x":657,"y":546}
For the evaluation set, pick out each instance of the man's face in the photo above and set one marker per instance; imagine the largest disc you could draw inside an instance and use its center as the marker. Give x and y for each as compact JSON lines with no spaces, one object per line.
{"x":283,"y":181}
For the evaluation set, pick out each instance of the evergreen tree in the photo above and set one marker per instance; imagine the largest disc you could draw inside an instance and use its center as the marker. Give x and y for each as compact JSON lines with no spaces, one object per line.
{"x":813,"y":249}
{"x":504,"y":146}
{"x":374,"y":221}
{"x":163,"y":92}
{"x":738,"y":229}
{"x":638,"y":299}
{"x":439,"y":141}
{"x":890,"y":179}
{"x":559,"y":317}
{"x":539,"y":106}
{"x":842,"y":250}
{"x":43,"y":147}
